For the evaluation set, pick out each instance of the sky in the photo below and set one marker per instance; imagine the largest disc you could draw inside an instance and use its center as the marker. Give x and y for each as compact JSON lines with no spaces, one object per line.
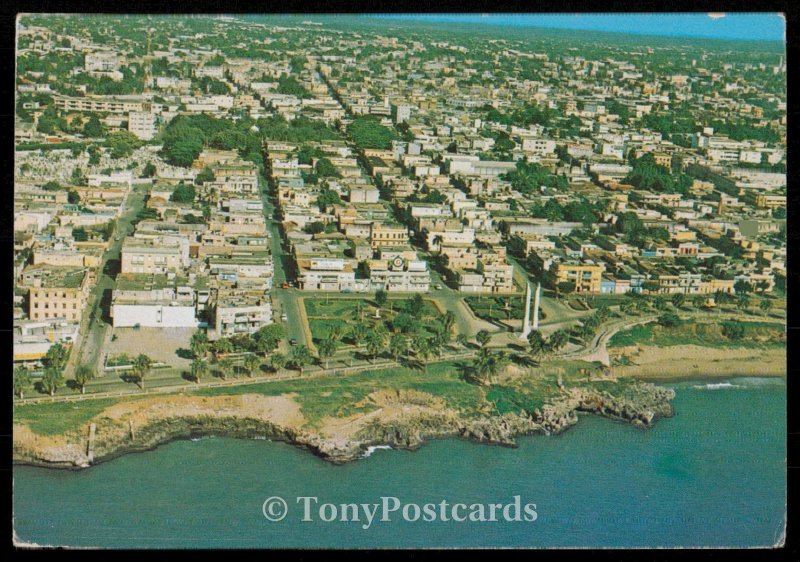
{"x":736,"y":26}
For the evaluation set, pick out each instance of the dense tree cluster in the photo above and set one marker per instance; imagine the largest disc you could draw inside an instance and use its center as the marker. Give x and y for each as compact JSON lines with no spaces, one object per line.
{"x":648,"y":175}
{"x":529,"y":177}
{"x":367,"y":132}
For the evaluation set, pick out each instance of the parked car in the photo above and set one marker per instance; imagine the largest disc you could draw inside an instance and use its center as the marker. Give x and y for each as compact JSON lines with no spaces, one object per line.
{"x":284,"y":317}
{"x":292,"y":341}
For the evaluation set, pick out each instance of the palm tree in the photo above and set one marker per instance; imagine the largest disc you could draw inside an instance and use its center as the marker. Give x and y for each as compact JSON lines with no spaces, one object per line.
{"x":52,"y":380}
{"x":437,"y":241}
{"x":398,"y":345}
{"x":326,"y":349}
{"x":765,"y":305}
{"x":678,"y":299}
{"x":199,"y":368}
{"x":22,"y":380}
{"x":483,"y":337}
{"x":537,"y":345}
{"x":418,"y":341}
{"x":251,"y":364}
{"x":423,"y":351}
{"x":558,"y":339}
{"x":277,"y":361}
{"x":225,"y":367}
{"x":83,"y":374}
{"x":375,"y":341}
{"x":435,"y":345}
{"x":358,"y":332}
{"x":199,"y":344}
{"x":301,"y":357}
{"x":223,"y":345}
{"x":698,"y":301}
{"x":56,"y":356}
{"x":462,"y":340}
{"x":141,"y":368}
{"x":488,"y":365}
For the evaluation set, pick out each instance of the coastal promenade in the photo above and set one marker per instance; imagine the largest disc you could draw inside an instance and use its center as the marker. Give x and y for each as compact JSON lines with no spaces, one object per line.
{"x":282,"y":375}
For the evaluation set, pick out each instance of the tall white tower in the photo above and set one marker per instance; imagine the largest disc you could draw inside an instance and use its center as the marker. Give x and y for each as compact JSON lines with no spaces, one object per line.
{"x":526,"y":324}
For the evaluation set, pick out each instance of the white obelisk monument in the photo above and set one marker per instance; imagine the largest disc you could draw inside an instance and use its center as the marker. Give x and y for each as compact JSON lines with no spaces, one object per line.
{"x":526,"y":324}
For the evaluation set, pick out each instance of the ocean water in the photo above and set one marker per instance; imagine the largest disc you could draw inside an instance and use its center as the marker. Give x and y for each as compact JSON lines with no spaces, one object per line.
{"x":712,"y":475}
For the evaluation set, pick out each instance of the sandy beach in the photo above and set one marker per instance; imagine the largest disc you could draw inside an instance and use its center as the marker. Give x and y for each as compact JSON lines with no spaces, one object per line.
{"x":697,"y":362}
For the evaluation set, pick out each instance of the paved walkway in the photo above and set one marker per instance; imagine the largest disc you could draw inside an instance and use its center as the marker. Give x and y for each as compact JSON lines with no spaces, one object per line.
{"x":283,"y":375}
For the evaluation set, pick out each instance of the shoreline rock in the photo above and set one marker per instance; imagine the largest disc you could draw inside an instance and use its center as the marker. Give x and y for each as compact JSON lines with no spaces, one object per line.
{"x":642,"y":404}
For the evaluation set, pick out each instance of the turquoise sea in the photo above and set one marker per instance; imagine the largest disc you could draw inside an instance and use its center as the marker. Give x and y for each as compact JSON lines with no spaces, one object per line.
{"x":712,"y":475}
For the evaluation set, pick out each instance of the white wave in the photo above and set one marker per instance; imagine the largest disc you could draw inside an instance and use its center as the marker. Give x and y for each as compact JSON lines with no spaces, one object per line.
{"x":373,"y":448}
{"x":716,"y":386}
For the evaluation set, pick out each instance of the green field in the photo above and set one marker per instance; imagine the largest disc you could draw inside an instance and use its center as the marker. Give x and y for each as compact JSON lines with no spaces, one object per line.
{"x":347,"y":308}
{"x":499,"y":309}
{"x":58,"y":417}
{"x":326,"y":313}
{"x":337,"y":395}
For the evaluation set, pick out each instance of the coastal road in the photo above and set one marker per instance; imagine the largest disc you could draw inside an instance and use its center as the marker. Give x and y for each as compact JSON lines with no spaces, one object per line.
{"x":597,"y":349}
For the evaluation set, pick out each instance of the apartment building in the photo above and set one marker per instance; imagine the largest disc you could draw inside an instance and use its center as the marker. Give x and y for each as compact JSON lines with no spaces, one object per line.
{"x":399,"y":270}
{"x":142,"y":124}
{"x":57,"y":292}
{"x":104,"y":104}
{"x":240,"y":312}
{"x":584,"y":277}
{"x":159,"y":254}
{"x":384,"y":234}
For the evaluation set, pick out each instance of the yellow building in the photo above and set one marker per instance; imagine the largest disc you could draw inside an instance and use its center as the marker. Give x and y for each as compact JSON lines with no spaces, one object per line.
{"x":59,"y":292}
{"x":663,"y":159}
{"x":586,"y":278}
{"x":387,"y":235}
{"x":770,"y":201}
{"x":714,"y":285}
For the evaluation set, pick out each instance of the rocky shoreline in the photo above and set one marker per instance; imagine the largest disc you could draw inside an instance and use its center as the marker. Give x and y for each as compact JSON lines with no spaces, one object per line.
{"x":642,"y":404}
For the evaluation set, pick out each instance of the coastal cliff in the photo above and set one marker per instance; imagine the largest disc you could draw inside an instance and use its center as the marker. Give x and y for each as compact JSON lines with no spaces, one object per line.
{"x":400,"y":419}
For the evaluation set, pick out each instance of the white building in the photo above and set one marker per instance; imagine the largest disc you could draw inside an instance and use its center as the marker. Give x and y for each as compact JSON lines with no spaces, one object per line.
{"x":399,"y":271}
{"x":142,"y":124}
{"x":153,"y":302}
{"x":241,"y":312}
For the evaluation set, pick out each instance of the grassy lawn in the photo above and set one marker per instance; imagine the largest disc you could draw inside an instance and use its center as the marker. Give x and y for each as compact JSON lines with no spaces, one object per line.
{"x":595,"y":301}
{"x":337,"y":307}
{"x":326,"y":313}
{"x":499,"y":308}
{"x":321,"y":327}
{"x":756,"y":335}
{"x":58,"y":417}
{"x":337,"y":396}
